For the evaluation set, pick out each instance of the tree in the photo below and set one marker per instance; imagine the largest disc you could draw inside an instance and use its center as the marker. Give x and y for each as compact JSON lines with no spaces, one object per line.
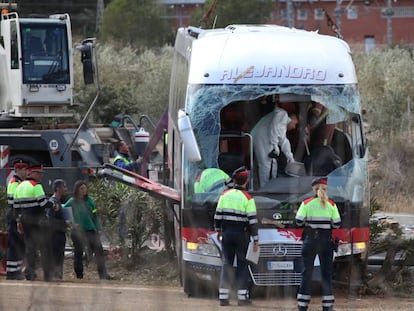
{"x":82,"y":12}
{"x":233,"y":12}
{"x":131,"y":83}
{"x":136,"y":23}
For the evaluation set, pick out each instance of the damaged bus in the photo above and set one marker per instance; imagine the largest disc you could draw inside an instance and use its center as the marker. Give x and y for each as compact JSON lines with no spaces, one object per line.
{"x":223,"y":82}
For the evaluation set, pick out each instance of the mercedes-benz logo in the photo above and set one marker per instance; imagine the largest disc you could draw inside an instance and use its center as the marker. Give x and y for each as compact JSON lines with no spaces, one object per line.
{"x":277,"y":216}
{"x":280,"y":251}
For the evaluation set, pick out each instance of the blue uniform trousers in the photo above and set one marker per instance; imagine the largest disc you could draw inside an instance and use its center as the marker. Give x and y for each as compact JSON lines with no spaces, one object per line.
{"x":37,"y":237}
{"x":318,"y":243}
{"x":234,"y":243}
{"x":15,"y":248}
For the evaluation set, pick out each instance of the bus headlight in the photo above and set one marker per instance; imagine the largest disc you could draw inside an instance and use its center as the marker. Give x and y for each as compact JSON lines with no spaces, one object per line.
{"x":345,"y":249}
{"x":202,"y":249}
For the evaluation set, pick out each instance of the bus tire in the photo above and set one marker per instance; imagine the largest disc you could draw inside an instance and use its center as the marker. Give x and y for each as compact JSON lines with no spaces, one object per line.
{"x":189,"y":284}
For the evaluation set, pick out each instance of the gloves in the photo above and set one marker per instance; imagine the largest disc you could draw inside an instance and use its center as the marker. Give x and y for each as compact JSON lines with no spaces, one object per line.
{"x":273,"y":154}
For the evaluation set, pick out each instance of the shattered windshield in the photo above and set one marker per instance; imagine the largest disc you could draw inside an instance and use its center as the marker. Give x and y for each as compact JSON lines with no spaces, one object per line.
{"x":206,"y":101}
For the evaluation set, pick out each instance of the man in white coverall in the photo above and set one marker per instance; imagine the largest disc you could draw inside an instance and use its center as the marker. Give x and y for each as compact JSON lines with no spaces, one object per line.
{"x":269,"y":138}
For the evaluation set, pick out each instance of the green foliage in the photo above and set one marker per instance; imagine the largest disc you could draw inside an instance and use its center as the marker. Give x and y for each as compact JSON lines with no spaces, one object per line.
{"x":131,"y":83}
{"x":138,"y":23}
{"x":143,"y":214}
{"x":386,"y":83}
{"x":374,"y":227}
{"x":233,"y":12}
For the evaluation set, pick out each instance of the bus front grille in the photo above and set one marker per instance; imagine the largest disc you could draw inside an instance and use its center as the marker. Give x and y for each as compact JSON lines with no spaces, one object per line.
{"x":279,"y":264}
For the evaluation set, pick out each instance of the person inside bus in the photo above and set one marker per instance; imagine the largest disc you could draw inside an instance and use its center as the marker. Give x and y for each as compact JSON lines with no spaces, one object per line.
{"x":269,"y":139}
{"x":210,"y":180}
{"x":322,"y":158}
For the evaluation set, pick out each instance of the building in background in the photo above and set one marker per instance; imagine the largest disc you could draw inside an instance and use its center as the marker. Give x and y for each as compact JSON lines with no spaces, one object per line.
{"x":179,"y":11}
{"x":366,"y":23}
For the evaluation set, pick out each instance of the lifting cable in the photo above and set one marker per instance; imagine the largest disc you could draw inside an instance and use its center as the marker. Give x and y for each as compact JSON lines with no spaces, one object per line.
{"x":329,"y":21}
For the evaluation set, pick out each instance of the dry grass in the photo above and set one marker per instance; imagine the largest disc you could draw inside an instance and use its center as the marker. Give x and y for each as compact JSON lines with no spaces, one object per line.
{"x":391,"y":171}
{"x":396,"y":203}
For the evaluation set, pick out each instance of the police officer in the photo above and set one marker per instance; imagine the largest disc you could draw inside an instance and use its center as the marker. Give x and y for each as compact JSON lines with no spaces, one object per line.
{"x":15,"y":241}
{"x":31,"y":203}
{"x":318,"y":215}
{"x":235,"y":220}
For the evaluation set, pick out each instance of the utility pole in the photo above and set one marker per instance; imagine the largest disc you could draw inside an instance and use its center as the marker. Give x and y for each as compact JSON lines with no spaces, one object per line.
{"x":388,"y":13}
{"x":289,"y":14}
{"x":338,"y":15}
{"x":99,"y":14}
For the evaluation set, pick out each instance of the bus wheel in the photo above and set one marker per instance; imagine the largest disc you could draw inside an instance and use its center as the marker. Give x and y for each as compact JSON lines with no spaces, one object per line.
{"x":350,"y":275}
{"x":191,"y":286}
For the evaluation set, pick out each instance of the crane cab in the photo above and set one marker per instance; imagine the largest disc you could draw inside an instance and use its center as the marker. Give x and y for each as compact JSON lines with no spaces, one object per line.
{"x":36,"y":66}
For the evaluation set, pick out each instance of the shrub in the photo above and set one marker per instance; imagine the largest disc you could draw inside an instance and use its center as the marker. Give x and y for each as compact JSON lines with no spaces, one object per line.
{"x":124,"y":208}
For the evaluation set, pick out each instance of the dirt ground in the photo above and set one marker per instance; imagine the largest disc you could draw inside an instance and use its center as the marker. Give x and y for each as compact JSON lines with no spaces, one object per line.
{"x":153,"y":284}
{"x":151,"y":268}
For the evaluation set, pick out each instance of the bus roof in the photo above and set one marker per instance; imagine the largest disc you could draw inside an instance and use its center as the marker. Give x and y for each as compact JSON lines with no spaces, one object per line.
{"x":265,"y":54}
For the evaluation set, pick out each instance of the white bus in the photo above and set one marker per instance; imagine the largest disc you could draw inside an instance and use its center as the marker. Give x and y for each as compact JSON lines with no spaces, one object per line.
{"x":223,"y":82}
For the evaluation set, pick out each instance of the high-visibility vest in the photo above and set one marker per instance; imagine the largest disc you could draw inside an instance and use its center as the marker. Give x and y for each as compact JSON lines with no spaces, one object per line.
{"x":314,"y":214}
{"x":236,"y":206}
{"x":208,"y":178}
{"x":29,"y":194}
{"x":11,"y":188}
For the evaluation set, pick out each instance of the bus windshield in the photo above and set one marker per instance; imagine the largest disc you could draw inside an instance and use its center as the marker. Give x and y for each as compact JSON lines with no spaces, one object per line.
{"x":45,"y":53}
{"x":223,"y":117}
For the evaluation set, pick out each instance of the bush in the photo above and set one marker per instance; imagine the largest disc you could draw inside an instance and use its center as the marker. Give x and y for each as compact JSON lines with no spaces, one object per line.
{"x":129,"y":217}
{"x":130,"y":83}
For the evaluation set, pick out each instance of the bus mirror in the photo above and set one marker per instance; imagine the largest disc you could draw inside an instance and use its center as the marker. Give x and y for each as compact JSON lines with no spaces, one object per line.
{"x":187,"y":137}
{"x":86,"y":49}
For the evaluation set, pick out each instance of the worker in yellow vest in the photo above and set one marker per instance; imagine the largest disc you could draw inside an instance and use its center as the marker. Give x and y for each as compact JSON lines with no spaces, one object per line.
{"x":235,"y":221}
{"x":318,"y":215}
{"x":30,"y":203}
{"x":15,"y":241}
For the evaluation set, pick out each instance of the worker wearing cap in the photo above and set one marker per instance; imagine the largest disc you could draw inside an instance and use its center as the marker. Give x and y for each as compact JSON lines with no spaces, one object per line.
{"x":31,"y":203}
{"x":318,"y":215}
{"x":235,"y":220}
{"x":15,"y":241}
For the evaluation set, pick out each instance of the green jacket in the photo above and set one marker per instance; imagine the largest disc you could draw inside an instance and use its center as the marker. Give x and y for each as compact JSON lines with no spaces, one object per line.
{"x":85,"y":213}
